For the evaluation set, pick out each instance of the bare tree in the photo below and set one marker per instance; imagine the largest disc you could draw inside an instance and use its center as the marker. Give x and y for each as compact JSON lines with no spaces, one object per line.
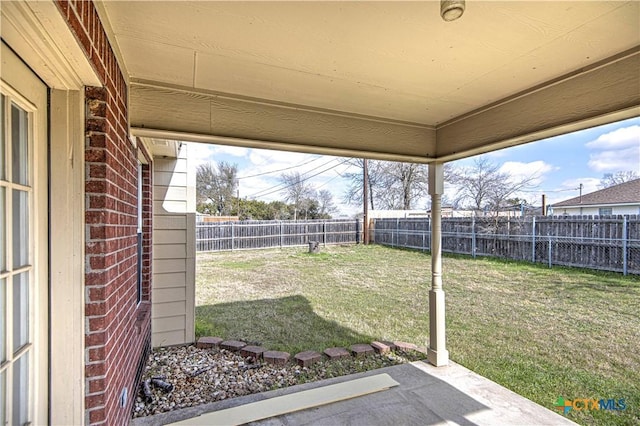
{"x":405,"y":184}
{"x":392,"y":185}
{"x":611,"y":179}
{"x":353,"y":194}
{"x":325,"y":199}
{"x":296,"y":191}
{"x":216,"y":185}
{"x":484,"y":187}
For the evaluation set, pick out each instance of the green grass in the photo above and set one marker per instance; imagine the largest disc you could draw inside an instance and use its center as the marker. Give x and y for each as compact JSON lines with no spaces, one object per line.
{"x":542,"y":333}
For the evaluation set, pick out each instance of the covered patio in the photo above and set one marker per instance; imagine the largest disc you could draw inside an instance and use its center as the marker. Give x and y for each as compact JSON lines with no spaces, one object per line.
{"x":384,"y":80}
{"x":97,"y":97}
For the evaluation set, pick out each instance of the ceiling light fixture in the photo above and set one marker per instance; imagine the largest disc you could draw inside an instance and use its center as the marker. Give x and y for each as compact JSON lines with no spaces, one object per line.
{"x":450,"y":10}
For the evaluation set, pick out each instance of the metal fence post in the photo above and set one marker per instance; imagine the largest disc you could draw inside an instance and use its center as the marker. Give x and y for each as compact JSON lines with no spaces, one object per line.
{"x":550,"y":252}
{"x":625,"y":237}
{"x":281,"y":235}
{"x":533,"y":240}
{"x":473,"y":236}
{"x":429,"y":234}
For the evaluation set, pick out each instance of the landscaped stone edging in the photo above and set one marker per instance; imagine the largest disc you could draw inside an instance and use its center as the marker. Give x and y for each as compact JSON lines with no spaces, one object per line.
{"x":305,"y":358}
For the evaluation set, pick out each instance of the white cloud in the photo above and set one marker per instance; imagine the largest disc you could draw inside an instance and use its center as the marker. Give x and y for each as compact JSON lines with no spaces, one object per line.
{"x":520,"y":170}
{"x":617,"y":150}
{"x":616,"y":160}
{"x":235,"y":151}
{"x":623,"y":137}
{"x":205,"y":153}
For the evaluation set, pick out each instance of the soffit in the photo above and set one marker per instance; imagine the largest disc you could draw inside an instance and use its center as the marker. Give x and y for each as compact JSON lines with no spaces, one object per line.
{"x":397,"y":60}
{"x":376,"y":79}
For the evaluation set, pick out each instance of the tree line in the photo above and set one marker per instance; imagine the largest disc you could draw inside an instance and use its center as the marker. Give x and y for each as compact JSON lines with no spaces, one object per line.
{"x":481,"y":186}
{"x":217,"y":194}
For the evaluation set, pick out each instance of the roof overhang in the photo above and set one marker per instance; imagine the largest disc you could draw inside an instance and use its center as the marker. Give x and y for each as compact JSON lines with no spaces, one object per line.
{"x":387,"y":80}
{"x":577,"y":206}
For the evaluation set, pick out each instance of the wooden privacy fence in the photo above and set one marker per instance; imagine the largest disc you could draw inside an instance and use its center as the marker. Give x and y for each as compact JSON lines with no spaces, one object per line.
{"x":248,"y":235}
{"x":609,"y":243}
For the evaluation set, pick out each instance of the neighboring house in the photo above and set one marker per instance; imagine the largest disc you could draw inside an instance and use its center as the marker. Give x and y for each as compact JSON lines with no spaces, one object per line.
{"x":96,"y":240}
{"x":614,"y":200}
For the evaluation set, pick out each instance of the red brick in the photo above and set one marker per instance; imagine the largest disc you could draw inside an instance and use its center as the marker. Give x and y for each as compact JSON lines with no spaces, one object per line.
{"x":97,"y":324}
{"x":232,"y":345}
{"x":276,"y":357}
{"x":97,"y":385}
{"x":92,"y":370}
{"x":208,"y":342}
{"x":96,"y":125}
{"x":99,"y":93}
{"x":93,"y":401}
{"x":92,"y":309}
{"x":404,"y":346}
{"x":96,"y":354}
{"x":380,"y":347}
{"x":252,"y":351}
{"x":97,"y":415}
{"x":306,"y":359}
{"x":94,"y":339}
{"x":391,"y":345}
{"x":361,"y":349}
{"x":97,"y":108}
{"x":97,"y":140}
{"x":336,"y":353}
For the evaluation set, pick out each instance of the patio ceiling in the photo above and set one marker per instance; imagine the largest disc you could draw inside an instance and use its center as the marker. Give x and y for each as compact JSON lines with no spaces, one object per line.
{"x":377,"y":79}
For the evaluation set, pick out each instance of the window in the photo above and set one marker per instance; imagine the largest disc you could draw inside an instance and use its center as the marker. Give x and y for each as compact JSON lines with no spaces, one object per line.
{"x":605,"y":211}
{"x":140,"y":222}
{"x":16,"y":262}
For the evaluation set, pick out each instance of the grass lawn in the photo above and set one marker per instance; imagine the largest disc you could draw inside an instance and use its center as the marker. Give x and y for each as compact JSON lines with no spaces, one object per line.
{"x":543,"y":333}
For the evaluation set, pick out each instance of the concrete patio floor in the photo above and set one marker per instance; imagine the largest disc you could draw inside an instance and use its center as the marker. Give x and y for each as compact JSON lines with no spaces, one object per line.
{"x":426,"y":395}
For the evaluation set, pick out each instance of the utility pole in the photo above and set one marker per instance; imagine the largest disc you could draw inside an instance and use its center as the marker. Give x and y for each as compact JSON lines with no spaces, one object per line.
{"x":365,"y":196}
{"x":581,"y":193}
{"x":544,"y":205}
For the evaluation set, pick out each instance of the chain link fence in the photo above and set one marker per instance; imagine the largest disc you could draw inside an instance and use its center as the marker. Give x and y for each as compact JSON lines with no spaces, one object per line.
{"x":609,"y":243}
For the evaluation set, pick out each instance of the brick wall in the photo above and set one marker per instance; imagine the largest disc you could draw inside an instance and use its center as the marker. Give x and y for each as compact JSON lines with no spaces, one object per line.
{"x":117,"y":329}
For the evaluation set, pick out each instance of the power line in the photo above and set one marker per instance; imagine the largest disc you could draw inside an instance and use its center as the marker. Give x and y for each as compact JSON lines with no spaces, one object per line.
{"x":335,"y":177}
{"x":539,"y":191}
{"x":283,"y":184}
{"x":276,"y":189}
{"x":280,"y":170}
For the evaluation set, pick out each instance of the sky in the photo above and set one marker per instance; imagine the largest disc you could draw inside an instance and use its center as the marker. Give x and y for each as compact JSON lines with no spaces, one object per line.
{"x":562,"y":164}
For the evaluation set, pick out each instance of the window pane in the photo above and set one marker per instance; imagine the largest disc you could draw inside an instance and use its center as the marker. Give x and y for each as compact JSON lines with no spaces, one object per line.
{"x":20,"y":387}
{"x":3,"y":323}
{"x":19,"y":144}
{"x":20,"y":310}
{"x":2,"y":143}
{"x":20,"y":228}
{"x":3,"y":226}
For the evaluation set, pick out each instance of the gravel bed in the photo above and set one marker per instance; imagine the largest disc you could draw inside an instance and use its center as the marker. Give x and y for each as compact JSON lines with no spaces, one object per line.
{"x":200,"y":376}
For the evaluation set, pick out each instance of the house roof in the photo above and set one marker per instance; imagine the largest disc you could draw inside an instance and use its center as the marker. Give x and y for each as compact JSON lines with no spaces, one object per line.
{"x":624,"y":193}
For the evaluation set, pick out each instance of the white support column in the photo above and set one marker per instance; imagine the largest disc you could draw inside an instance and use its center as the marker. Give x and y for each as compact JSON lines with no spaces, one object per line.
{"x":437,"y":353}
